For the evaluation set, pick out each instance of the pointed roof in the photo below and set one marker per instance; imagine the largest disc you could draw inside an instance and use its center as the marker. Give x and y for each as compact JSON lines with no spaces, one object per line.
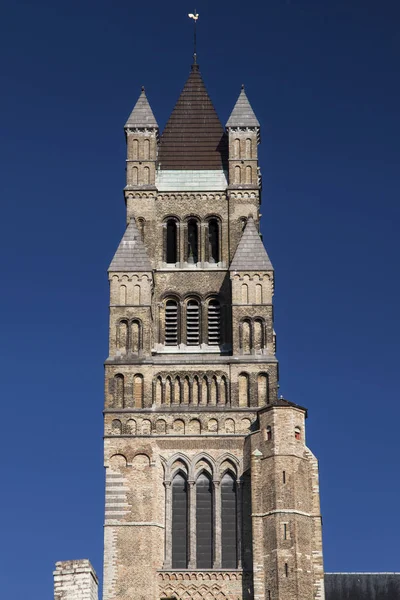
{"x":242,"y":114}
{"x":193,"y":138}
{"x":142,"y":115}
{"x":250,"y":254}
{"x":131,"y":254}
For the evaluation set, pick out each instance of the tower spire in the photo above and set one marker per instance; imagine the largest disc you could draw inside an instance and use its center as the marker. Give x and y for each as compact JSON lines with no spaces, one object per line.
{"x":195,"y":17}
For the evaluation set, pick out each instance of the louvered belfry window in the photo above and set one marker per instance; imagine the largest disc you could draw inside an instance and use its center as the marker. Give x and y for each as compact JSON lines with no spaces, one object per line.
{"x":171,"y":323}
{"x":214,"y":323}
{"x":193,"y":323}
{"x":179,"y":522}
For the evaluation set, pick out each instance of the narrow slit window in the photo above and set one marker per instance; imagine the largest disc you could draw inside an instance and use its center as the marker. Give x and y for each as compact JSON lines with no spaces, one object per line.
{"x":193,"y":242}
{"x":284,"y":477}
{"x":193,"y":323}
{"x":171,"y":323}
{"x":172,"y":242}
{"x":286,"y":570}
{"x":214,"y":323}
{"x":213,"y":239}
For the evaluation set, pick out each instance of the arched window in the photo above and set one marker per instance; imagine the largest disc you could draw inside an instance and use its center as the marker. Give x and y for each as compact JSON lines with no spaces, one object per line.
{"x":268,"y":433}
{"x":204,"y":522}
{"x":193,"y":323}
{"x":122,"y":336}
{"x":258,"y":334}
{"x":236,"y":148}
{"x":135,"y":176}
{"x":246,"y":337}
{"x":159,"y":394}
{"x":119,"y":391}
{"x":179,"y":522}
{"x":138,"y":391}
{"x":238,"y":174}
{"x":214,"y":322}
{"x":171,"y":323}
{"x":146,"y":149}
{"x":228,"y":522}
{"x":262,"y":385}
{"x":146,"y":175}
{"x":245,"y":293}
{"x":248,"y":174}
{"x":135,"y":337}
{"x":122,"y":295}
{"x":297,"y":433}
{"x":192,"y":242}
{"x":248,"y":148}
{"x":172,"y":242}
{"x":259,"y":294}
{"x":244,"y":396}
{"x":213,"y":240}
{"x":135,"y":149}
{"x":168,"y":391}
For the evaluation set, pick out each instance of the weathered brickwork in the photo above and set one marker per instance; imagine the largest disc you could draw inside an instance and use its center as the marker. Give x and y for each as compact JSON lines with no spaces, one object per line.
{"x":191,"y":380}
{"x":75,"y":580}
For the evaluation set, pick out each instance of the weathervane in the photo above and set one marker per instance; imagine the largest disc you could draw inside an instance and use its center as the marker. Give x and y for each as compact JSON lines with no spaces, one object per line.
{"x":195,"y":17}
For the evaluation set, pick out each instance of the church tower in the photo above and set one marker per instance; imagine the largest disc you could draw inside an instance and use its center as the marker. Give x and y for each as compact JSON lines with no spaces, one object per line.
{"x":211,"y":491}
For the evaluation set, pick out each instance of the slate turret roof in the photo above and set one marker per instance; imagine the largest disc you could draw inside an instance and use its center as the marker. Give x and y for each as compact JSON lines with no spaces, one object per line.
{"x":131,"y":254}
{"x":193,"y":138}
{"x":142,"y":115}
{"x":242,"y":114}
{"x":250,"y":254}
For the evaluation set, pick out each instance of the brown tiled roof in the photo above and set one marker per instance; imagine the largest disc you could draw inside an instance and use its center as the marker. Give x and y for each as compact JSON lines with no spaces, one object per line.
{"x":193,"y":138}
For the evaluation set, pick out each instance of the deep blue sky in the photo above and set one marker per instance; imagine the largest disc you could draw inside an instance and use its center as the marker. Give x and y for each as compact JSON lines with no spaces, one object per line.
{"x":323,"y":80}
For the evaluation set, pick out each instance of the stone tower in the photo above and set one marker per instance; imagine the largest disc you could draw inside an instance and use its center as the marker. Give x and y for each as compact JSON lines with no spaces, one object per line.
{"x":211,"y":491}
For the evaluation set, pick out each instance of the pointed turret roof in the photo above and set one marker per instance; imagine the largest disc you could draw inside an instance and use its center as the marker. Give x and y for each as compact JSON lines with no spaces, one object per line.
{"x":250,"y":254}
{"x":142,"y":115}
{"x":131,"y":254}
{"x":242,"y":114}
{"x":193,"y":138}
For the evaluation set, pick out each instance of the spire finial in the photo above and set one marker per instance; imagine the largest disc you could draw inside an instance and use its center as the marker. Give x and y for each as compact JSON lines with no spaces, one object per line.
{"x":242,"y":86}
{"x":195,"y":17}
{"x":143,"y":89}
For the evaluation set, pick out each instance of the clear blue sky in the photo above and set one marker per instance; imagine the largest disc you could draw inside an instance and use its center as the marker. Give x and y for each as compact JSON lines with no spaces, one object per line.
{"x":323,"y":79}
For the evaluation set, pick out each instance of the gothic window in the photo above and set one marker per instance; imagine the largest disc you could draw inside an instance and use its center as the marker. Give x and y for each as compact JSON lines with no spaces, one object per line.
{"x":179,"y":522}
{"x":119,"y":390}
{"x":204,"y":522}
{"x":193,"y":323}
{"x":214,"y":322}
{"x":244,"y":396}
{"x":138,"y":391}
{"x":192,"y":242}
{"x":172,"y":242}
{"x":171,"y":323}
{"x":228,"y":522}
{"x":213,"y":241}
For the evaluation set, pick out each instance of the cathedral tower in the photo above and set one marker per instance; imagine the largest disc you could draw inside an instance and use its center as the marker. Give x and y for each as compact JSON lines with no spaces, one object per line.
{"x":211,"y":492}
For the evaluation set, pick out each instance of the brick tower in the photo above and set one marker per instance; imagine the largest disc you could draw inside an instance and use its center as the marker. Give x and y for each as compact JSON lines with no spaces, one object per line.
{"x":211,"y":492}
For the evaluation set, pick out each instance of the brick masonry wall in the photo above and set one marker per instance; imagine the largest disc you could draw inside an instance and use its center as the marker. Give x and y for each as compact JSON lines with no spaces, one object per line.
{"x":75,"y":580}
